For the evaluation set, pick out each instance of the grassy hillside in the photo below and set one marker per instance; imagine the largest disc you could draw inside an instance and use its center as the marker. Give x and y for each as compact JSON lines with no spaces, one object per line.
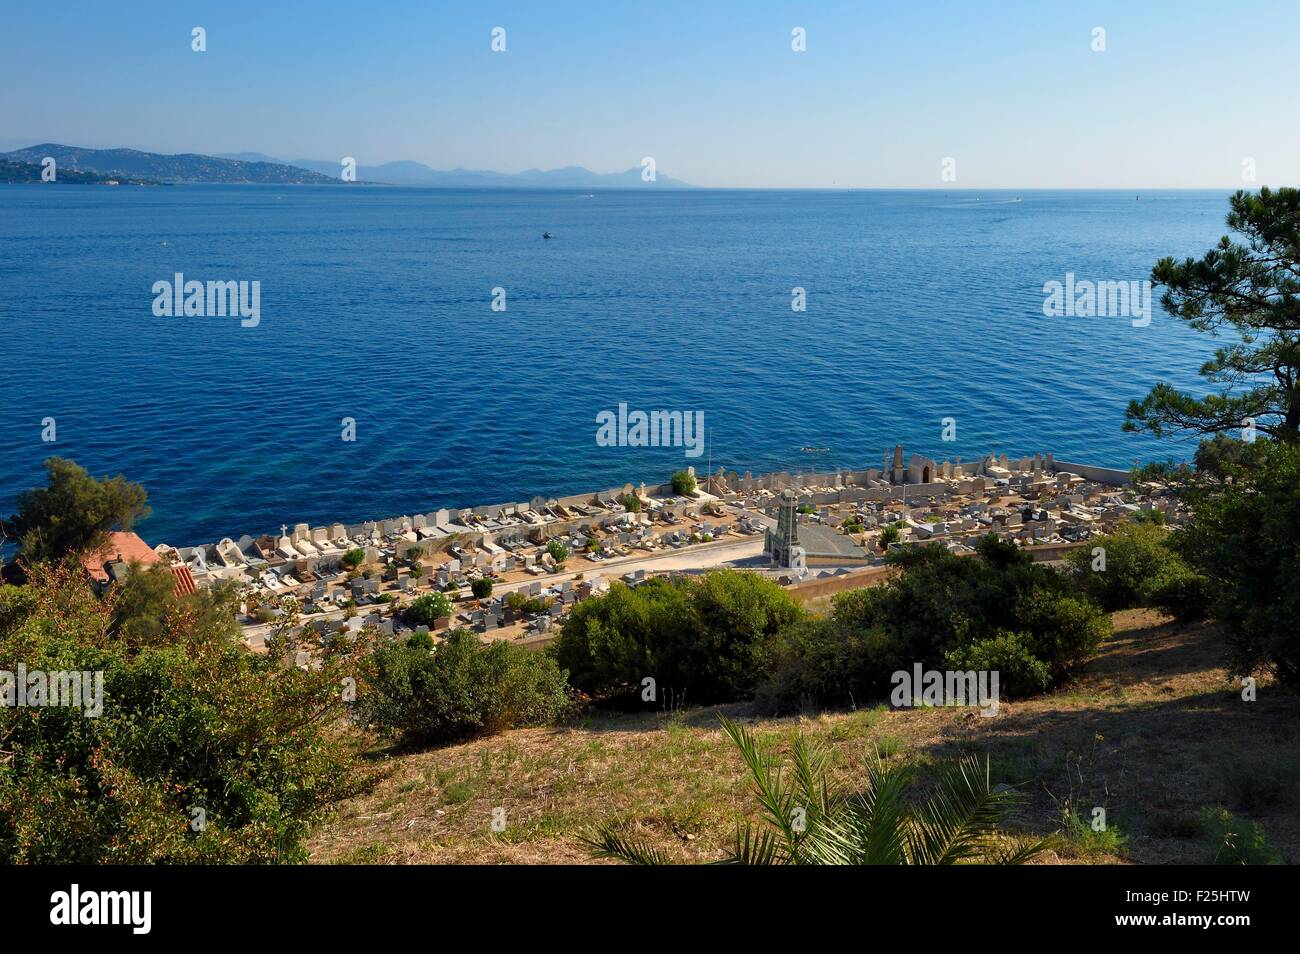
{"x":1151,"y":729}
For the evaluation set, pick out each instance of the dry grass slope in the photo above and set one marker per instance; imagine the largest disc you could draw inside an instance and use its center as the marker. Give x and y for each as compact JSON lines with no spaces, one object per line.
{"x":1151,"y":729}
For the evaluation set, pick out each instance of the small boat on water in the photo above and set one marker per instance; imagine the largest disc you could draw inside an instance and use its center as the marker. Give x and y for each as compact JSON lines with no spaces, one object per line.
{"x":546,"y":235}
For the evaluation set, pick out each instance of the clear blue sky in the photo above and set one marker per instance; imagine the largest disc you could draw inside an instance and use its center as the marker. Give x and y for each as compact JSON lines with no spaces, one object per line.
{"x":1011,"y":89}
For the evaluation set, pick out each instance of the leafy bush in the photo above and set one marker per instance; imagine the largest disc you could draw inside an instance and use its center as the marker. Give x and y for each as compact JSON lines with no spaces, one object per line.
{"x":1009,"y":655}
{"x":1185,"y":595}
{"x":943,"y":602}
{"x":1245,"y":539}
{"x":145,"y":601}
{"x":190,"y":721}
{"x":1150,"y":516}
{"x":354,"y":558}
{"x":425,"y":609}
{"x":944,"y":612}
{"x":683,"y":483}
{"x":558,"y":551}
{"x":481,"y":587}
{"x":1238,"y":841}
{"x":526,"y":605}
{"x":700,"y":637}
{"x":820,"y":662}
{"x":1139,"y":563}
{"x":461,"y":689}
{"x":1080,"y":840}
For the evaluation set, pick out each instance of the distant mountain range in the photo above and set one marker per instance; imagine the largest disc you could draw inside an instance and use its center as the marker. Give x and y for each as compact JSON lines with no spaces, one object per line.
{"x":408,"y":173}
{"x":187,"y":167}
{"x":253,"y":167}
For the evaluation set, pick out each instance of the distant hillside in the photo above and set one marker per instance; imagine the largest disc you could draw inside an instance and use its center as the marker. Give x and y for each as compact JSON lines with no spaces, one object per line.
{"x":186,"y":167}
{"x":252,"y":167}
{"x":410,"y":173}
{"x":23,"y":172}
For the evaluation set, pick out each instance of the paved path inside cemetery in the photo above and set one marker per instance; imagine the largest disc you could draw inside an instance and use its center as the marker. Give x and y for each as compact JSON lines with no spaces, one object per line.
{"x":702,"y":557}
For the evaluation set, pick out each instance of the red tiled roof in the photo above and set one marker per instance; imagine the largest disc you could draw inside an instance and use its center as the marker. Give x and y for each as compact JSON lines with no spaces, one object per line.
{"x":184,"y":581}
{"x":122,"y":545}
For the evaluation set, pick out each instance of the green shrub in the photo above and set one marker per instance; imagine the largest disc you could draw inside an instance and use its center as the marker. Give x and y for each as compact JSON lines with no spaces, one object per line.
{"x":1223,"y":457}
{"x":190,"y":720}
{"x":354,"y":558}
{"x":1238,"y":841}
{"x":461,"y":689}
{"x":821,"y":663}
{"x":558,"y":551}
{"x":703,"y":638}
{"x":526,"y":605}
{"x":481,"y":587}
{"x":943,"y":602}
{"x":1245,"y":539}
{"x":683,"y":483}
{"x":1081,"y":840}
{"x":995,"y":611}
{"x":1138,"y":563}
{"x":424,"y":610}
{"x":1020,"y":673}
{"x":1061,"y":628}
{"x":143,"y":601}
{"x":1184,"y":595}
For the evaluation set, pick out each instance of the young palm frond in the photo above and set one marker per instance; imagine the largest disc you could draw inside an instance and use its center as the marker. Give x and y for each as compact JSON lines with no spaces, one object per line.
{"x":608,"y":843}
{"x":754,"y":849}
{"x":808,"y":823}
{"x":959,"y":820}
{"x":793,"y":819}
{"x":1020,"y":851}
{"x":876,"y":821}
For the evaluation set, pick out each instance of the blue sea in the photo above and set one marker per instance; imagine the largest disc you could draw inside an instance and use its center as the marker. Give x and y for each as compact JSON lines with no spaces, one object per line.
{"x":376,"y":306}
